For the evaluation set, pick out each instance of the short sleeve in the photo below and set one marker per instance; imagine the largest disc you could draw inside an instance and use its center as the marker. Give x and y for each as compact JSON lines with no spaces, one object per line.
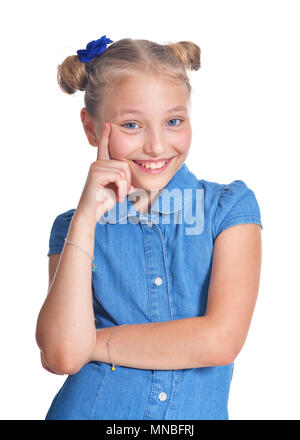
{"x":237,"y":204}
{"x":59,"y":232}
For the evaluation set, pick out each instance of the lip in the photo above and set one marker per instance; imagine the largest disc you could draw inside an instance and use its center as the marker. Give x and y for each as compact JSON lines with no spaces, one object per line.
{"x":157,"y":171}
{"x":155,"y":161}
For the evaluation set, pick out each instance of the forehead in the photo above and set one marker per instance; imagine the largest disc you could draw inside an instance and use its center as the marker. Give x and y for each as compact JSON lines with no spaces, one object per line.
{"x":147,"y":94}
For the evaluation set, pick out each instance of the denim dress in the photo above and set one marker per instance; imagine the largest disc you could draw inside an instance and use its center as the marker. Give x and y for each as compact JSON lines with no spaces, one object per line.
{"x":153,"y":268}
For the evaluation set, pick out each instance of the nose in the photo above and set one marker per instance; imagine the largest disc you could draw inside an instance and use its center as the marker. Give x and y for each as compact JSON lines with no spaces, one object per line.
{"x":154,"y":144}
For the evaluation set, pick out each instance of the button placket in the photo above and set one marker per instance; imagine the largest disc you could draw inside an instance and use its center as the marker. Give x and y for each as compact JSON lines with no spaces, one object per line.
{"x":159,"y":307}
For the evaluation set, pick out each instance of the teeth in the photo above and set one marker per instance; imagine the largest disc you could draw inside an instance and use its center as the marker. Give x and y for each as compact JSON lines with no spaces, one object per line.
{"x":153,"y":166}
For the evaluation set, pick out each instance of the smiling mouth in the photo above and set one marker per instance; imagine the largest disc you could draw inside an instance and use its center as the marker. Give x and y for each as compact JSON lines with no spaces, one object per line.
{"x":153,"y":167}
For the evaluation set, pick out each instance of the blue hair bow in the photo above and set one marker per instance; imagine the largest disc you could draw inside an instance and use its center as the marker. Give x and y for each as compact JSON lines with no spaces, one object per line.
{"x":93,"y":48}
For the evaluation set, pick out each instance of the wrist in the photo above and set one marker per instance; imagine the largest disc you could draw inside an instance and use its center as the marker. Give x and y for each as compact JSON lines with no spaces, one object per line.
{"x":99,"y":352}
{"x":92,"y":356}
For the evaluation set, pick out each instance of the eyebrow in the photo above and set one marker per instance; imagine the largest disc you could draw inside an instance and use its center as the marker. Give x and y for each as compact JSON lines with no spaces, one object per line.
{"x":139,"y":112}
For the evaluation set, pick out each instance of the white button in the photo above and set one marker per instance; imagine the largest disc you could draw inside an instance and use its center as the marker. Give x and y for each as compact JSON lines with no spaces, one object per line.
{"x":149,"y":224}
{"x":158,"y":281}
{"x":162,"y":396}
{"x":134,"y":219}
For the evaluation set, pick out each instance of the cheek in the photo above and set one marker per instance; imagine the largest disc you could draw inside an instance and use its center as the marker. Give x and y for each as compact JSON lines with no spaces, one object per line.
{"x":183,"y":141}
{"x":120,"y":145}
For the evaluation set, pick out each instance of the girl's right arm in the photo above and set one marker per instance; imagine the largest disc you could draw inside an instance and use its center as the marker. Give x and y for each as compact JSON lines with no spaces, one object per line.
{"x":65,"y":330}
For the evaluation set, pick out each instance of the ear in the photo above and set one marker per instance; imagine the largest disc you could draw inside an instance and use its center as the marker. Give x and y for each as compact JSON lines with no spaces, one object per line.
{"x":89,"y":127}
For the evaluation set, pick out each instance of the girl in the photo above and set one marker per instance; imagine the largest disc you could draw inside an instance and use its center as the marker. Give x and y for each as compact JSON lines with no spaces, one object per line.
{"x":153,"y":278}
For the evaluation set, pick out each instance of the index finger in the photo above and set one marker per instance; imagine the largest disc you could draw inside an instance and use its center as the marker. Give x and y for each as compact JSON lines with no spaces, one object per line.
{"x":103,"y":151}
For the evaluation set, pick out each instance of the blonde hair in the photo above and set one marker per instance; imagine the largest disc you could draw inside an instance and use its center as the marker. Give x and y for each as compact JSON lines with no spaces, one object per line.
{"x":122,"y":60}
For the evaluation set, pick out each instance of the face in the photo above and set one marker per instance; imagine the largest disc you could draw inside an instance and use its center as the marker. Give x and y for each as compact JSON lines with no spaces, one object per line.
{"x":150,"y":131}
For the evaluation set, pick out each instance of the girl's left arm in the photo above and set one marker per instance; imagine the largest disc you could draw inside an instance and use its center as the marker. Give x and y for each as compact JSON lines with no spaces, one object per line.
{"x":213,"y":339}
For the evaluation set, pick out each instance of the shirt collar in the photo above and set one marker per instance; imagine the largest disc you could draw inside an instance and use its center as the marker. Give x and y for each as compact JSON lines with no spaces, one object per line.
{"x":182,"y":179}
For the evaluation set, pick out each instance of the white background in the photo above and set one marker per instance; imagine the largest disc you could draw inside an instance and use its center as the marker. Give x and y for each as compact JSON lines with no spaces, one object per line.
{"x":245,"y":119}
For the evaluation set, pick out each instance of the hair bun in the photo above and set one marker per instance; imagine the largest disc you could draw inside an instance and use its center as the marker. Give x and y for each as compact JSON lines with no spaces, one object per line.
{"x":71,"y":75}
{"x":188,"y":53}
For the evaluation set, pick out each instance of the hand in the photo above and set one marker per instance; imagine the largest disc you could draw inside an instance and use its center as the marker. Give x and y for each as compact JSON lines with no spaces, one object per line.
{"x":105,"y":174}
{"x":46,"y":366}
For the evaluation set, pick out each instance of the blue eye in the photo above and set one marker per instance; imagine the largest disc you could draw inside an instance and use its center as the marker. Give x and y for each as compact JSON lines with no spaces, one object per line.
{"x":127,"y":123}
{"x":175,"y":119}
